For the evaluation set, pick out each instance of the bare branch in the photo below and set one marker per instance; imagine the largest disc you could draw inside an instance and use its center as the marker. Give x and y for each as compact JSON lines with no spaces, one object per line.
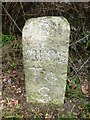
{"x":79,"y":40}
{"x":12,"y":19}
{"x":75,"y":69}
{"x":84,"y":64}
{"x":23,"y":11}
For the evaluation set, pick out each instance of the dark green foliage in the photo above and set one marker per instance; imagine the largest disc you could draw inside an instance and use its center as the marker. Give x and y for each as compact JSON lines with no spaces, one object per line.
{"x":87,"y":107}
{"x":73,"y":88}
{"x":7,"y":38}
{"x":13,"y":116}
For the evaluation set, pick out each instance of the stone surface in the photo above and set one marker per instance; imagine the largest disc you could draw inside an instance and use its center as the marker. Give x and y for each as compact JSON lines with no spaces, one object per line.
{"x":45,"y":52}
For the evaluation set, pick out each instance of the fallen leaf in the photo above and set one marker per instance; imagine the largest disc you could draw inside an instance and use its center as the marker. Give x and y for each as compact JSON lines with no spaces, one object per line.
{"x":73,"y":87}
{"x":76,"y":113}
{"x":12,"y":102}
{"x":0,"y":93}
{"x":4,"y":79}
{"x":80,"y":107}
{"x":85,"y":87}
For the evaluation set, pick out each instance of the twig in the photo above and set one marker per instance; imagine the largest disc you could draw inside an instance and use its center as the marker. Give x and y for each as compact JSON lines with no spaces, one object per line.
{"x":84,"y":64}
{"x":75,"y":69}
{"x":78,"y":41}
{"x":12,"y":19}
{"x":23,"y":11}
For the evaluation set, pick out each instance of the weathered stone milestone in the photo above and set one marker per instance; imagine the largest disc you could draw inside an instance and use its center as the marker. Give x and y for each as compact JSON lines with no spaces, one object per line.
{"x":45,"y":53}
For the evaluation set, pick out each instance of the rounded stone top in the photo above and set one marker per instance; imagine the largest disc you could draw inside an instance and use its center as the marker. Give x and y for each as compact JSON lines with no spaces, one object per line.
{"x":42,"y":27}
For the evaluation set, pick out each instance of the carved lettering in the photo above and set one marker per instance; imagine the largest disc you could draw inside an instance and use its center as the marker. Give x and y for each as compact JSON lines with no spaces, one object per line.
{"x":46,"y":54}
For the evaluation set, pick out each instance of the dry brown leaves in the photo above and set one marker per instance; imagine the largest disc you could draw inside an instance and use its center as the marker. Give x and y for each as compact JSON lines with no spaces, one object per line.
{"x":85,"y":88}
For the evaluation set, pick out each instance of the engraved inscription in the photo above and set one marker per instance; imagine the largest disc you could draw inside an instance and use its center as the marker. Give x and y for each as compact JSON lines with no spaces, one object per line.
{"x":36,"y":72}
{"x":44,"y":92}
{"x":51,"y":78}
{"x":44,"y":54}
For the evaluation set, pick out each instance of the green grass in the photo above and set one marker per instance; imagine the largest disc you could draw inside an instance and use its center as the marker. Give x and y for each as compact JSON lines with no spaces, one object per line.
{"x":12,"y":116}
{"x":6,"y":38}
{"x":87,"y":107}
{"x":73,"y":88}
{"x":13,"y":65}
